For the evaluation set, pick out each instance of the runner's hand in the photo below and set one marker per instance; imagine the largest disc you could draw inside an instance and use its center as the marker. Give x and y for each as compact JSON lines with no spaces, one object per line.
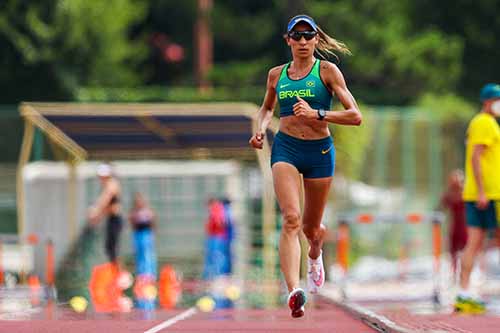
{"x":257,"y":140}
{"x":303,"y":109}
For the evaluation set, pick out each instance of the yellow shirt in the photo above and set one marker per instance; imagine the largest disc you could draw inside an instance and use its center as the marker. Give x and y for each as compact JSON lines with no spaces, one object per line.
{"x":483,"y":130}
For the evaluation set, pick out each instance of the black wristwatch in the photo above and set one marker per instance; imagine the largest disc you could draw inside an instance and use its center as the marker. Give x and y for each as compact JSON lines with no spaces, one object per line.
{"x":321,"y":114}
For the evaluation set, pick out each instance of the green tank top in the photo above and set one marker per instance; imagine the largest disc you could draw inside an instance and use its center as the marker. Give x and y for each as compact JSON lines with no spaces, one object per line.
{"x":310,"y":88}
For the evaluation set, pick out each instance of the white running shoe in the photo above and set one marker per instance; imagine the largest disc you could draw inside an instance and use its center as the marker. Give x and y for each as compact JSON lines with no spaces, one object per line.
{"x":296,"y":301}
{"x":315,"y":274}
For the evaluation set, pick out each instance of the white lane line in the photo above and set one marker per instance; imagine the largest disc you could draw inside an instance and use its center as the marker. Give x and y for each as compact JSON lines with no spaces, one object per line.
{"x":371,"y":318}
{"x":181,"y":316}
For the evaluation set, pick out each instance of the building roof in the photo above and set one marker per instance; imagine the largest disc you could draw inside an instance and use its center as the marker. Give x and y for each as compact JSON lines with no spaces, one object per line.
{"x":132,"y":131}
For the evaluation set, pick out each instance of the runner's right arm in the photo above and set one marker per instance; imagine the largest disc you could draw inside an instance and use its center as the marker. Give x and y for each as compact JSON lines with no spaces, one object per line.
{"x":266,"y":110}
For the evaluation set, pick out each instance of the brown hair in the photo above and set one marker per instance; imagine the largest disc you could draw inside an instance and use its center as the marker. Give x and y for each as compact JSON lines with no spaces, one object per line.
{"x":328,"y":45}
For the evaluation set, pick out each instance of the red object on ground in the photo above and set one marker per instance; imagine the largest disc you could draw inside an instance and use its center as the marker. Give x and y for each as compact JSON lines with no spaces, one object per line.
{"x":104,"y":290}
{"x":169,"y":288}
{"x":343,"y":246}
{"x":145,"y":287}
{"x":34,"y":284}
{"x":50,"y":264}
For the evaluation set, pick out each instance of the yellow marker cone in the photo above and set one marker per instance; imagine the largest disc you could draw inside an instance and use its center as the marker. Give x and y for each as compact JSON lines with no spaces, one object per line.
{"x":150,"y":292}
{"x":78,"y":304}
{"x":206,"y":304}
{"x":232,"y":292}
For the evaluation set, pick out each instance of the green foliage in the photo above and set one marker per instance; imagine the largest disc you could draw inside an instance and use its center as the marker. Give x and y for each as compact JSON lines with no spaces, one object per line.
{"x":11,"y":129}
{"x":453,"y":114}
{"x":245,"y":43}
{"x":104,"y":50}
{"x":389,"y":55}
{"x":476,"y":23}
{"x":8,"y":218}
{"x":352,"y":144}
{"x":242,"y":32}
{"x":175,"y":22}
{"x":447,"y":107}
{"x":401,"y":49}
{"x":72,"y":42}
{"x":171,"y":95}
{"x":392,"y":59}
{"x":8,"y":212}
{"x":240,"y":73}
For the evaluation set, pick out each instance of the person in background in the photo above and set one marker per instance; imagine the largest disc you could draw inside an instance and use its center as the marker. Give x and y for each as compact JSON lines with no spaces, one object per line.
{"x":142,"y":219}
{"x":481,"y":190}
{"x":215,"y":240}
{"x":457,"y":230}
{"x":228,"y":236}
{"x":108,"y":205}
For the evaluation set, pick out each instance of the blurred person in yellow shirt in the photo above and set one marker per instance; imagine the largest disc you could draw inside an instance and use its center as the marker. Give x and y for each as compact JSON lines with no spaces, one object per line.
{"x":481,"y":189}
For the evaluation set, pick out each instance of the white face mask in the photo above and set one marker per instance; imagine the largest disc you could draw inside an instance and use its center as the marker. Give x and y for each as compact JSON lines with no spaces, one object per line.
{"x":495,"y":107}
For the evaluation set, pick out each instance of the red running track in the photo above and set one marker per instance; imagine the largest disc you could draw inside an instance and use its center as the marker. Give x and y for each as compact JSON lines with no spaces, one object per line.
{"x":451,"y":322}
{"x":324,"y":317}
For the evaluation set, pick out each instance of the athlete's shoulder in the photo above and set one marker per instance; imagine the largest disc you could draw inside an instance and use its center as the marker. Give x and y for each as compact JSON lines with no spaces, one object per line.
{"x":276,"y":71}
{"x":328,"y":67}
{"x":330,"y":74}
{"x":274,"y":75}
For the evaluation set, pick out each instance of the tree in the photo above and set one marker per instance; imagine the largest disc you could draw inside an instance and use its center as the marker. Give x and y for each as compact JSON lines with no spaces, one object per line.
{"x":477,"y":24}
{"x":394,"y":59}
{"x":56,"y":45}
{"x":169,"y":23}
{"x":246,"y":41}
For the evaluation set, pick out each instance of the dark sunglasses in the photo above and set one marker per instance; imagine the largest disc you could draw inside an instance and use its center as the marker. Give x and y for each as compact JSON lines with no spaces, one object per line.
{"x":297,"y":35}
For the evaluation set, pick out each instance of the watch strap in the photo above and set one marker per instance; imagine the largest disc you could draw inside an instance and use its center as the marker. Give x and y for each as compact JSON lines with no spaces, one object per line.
{"x":321,"y":114}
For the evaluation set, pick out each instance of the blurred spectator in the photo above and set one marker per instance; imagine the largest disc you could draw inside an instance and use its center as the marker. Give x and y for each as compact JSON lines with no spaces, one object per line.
{"x":142,"y":220}
{"x":108,"y":204}
{"x":452,"y":201}
{"x":228,"y":236}
{"x":481,"y":189}
{"x":215,"y":256}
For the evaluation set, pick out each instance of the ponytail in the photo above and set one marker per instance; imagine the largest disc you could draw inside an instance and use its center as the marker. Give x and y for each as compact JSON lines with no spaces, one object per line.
{"x":327,"y":45}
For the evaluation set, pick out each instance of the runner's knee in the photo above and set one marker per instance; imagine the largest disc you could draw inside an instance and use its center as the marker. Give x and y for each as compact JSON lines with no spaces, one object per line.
{"x":314,"y":233}
{"x":291,"y":221}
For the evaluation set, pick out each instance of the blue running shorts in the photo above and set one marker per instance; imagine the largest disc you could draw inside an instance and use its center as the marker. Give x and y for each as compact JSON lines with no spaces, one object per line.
{"x":312,"y":158}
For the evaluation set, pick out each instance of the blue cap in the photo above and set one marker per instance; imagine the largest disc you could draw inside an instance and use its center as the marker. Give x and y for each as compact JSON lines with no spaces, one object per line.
{"x":489,"y":91}
{"x":301,"y":18}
